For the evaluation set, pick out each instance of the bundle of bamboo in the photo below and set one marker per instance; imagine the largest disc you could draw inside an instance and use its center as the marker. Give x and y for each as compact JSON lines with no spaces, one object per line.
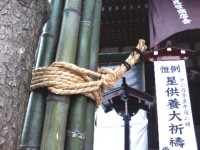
{"x":56,"y":117}
{"x":69,"y":120}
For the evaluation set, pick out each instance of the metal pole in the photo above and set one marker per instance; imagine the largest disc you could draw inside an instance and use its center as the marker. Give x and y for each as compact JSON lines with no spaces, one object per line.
{"x":125,"y":98}
{"x":126,"y":128}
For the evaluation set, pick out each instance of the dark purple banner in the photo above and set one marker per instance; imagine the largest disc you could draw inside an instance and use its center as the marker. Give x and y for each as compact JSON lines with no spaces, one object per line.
{"x":167,"y":17}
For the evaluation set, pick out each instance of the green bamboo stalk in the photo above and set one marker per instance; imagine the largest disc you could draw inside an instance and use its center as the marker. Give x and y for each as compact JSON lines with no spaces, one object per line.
{"x":94,"y":51}
{"x":95,"y":36}
{"x":53,"y":137}
{"x":76,"y":124}
{"x":32,"y":130}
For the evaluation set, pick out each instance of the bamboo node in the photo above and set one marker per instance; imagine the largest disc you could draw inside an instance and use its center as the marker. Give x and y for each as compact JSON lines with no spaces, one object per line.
{"x":66,"y":79}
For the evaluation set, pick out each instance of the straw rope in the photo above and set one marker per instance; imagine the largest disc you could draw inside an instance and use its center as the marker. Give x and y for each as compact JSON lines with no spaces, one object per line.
{"x":66,"y":79}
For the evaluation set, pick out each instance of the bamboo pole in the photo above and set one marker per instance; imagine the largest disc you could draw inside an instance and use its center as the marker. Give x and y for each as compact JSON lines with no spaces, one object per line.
{"x":32,"y":130}
{"x":53,"y":137}
{"x":94,"y":51}
{"x":76,"y":124}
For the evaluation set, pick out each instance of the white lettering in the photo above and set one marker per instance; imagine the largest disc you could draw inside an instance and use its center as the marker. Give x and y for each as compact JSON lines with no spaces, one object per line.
{"x":182,"y":12}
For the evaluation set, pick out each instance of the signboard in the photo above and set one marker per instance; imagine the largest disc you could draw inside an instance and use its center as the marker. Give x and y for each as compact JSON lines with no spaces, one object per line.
{"x":176,"y":128}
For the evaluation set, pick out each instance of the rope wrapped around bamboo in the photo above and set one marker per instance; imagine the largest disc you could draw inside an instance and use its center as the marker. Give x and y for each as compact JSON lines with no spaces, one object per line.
{"x":66,"y":79}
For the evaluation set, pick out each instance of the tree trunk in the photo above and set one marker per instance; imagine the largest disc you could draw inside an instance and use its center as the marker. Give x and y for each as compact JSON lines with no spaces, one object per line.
{"x":21,"y":22}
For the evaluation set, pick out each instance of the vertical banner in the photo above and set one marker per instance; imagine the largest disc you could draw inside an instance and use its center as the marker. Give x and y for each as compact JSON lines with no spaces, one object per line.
{"x":175,"y":122}
{"x":167,"y":17}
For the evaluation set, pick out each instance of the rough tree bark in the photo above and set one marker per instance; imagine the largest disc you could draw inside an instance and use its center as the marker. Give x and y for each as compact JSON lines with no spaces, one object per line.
{"x":21,"y":23}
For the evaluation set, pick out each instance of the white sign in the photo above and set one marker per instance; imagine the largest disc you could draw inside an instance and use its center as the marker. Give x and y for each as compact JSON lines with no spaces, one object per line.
{"x":175,"y":123}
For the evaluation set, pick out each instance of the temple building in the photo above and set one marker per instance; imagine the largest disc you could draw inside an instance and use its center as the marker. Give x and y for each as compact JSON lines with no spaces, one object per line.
{"x":123,"y":22}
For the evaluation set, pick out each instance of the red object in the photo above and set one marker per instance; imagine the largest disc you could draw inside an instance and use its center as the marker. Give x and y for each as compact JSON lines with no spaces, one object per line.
{"x":171,"y":53}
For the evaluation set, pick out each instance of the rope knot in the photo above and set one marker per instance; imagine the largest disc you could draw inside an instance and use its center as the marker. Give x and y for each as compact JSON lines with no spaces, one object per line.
{"x":108,"y":78}
{"x":141,"y":45}
{"x":66,"y":79}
